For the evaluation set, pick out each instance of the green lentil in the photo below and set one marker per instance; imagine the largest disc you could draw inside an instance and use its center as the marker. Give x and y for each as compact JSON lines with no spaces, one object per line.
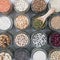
{"x":38,"y":24}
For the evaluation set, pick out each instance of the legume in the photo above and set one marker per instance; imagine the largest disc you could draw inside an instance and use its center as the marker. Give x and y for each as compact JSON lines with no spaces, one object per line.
{"x":38,"y":24}
{"x":4,"y":40}
{"x":5,"y":6}
{"x":21,"y":5}
{"x":21,"y":40}
{"x":39,"y":39}
{"x":5,"y":56}
{"x":55,"y":55}
{"x":38,"y":5}
{"x":21,"y":22}
{"x":55,"y":39}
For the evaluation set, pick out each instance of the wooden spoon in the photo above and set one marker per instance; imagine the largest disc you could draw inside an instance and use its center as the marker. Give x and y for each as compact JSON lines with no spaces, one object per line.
{"x":44,"y":17}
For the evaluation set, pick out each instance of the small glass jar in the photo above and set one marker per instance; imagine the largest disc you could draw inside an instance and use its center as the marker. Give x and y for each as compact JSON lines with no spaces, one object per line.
{"x":5,"y":6}
{"x":21,"y":6}
{"x":22,"y":22}
{"x":6,"y":54}
{"x":6,"y":23}
{"x":54,"y":54}
{"x":54,"y":4}
{"x":39,"y":39}
{"x":8,"y":40}
{"x":55,"y":23}
{"x":22,"y":54}
{"x":21,"y":39}
{"x":38,"y":5}
{"x":54,"y":40}
{"x":36,"y":50}
{"x":37,"y":24}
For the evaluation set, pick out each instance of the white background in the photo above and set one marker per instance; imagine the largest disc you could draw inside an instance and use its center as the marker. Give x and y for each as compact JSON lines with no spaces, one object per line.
{"x":28,"y":1}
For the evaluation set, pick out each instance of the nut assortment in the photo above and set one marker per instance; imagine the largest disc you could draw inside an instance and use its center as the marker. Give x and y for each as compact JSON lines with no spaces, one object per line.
{"x":4,"y":40}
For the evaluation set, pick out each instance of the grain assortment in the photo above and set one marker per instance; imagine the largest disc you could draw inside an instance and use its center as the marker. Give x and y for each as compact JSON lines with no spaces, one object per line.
{"x":29,"y":30}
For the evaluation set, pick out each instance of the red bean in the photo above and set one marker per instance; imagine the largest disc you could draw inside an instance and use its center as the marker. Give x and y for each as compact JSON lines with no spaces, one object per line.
{"x":55,"y":39}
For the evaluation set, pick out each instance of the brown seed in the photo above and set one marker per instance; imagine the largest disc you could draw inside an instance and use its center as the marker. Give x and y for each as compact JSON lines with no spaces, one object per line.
{"x":38,"y":5}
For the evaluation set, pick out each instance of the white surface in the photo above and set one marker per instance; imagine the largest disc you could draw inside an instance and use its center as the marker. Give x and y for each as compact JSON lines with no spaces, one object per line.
{"x":47,"y":1}
{"x":28,"y":1}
